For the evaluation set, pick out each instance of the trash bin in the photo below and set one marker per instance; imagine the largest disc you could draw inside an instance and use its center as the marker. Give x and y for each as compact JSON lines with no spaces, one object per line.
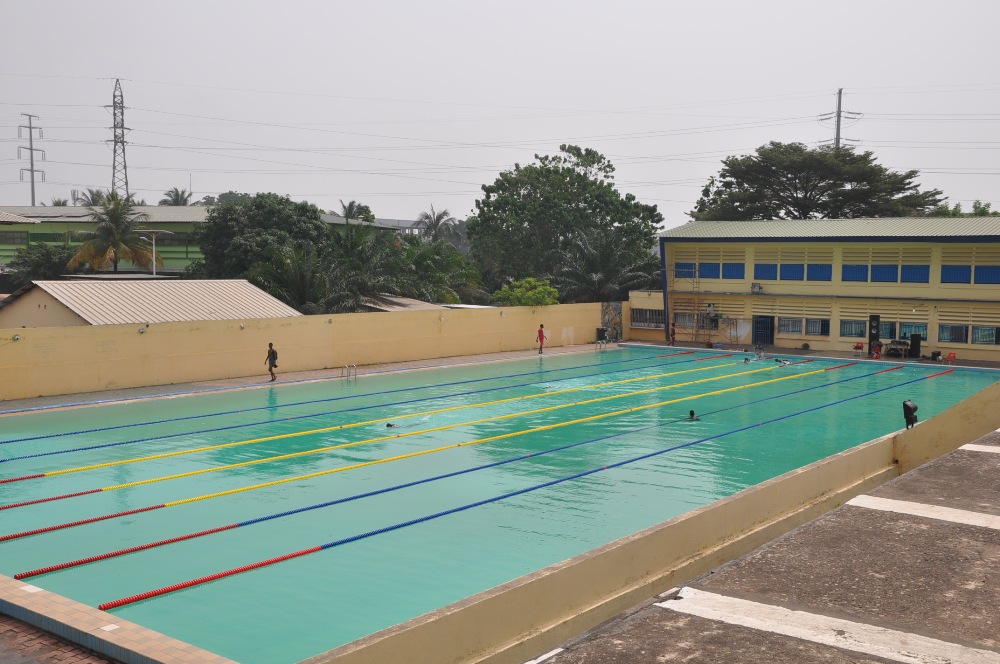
{"x":602,"y":334}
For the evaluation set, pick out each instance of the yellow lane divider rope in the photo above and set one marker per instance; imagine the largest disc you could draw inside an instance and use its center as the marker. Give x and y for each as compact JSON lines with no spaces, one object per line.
{"x":426,"y":413}
{"x":479,"y":441}
{"x":446,"y":427}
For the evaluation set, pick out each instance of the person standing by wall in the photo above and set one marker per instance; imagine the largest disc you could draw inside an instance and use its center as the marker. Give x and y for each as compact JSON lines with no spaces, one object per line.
{"x":542,"y":338}
{"x":673,"y":334}
{"x":271,"y":360}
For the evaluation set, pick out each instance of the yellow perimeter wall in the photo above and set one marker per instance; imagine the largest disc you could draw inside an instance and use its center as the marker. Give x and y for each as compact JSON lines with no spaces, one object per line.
{"x":67,"y":360}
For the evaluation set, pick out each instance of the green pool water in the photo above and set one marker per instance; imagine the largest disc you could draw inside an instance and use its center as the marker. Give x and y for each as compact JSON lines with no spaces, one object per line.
{"x":517,"y":495}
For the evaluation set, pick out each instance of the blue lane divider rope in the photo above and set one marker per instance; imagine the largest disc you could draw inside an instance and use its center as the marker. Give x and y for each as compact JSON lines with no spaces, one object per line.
{"x":330,"y":399}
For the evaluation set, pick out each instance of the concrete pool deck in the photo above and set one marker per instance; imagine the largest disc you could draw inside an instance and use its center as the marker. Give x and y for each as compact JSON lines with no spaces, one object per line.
{"x":910,"y":574}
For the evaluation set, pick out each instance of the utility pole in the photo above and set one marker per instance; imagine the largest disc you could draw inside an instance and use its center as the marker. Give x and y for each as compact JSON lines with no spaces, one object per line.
{"x":119,"y":178}
{"x":836,"y":137}
{"x":31,"y":151}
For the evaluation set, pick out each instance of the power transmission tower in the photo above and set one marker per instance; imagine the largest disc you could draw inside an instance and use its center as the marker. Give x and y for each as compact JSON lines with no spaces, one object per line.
{"x":31,"y":151}
{"x":119,"y":178}
{"x":838,"y":116}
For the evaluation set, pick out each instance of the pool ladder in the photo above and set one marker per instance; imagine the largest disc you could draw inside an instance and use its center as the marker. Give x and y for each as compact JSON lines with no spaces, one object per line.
{"x":349,"y":371}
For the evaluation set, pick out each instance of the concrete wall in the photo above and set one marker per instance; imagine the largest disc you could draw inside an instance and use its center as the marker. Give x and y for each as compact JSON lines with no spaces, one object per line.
{"x":535,"y":613}
{"x":65,"y":360}
{"x":36,"y":308}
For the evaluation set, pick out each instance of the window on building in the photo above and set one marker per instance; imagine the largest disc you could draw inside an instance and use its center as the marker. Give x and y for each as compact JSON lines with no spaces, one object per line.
{"x":988,"y":274}
{"x":650,"y":318}
{"x":13,"y":237}
{"x":915,"y":274}
{"x":906,"y":330}
{"x":885,"y":273}
{"x":684,"y":270}
{"x":790,"y":325}
{"x":886,"y":330}
{"x":793,"y":271}
{"x":765,"y":271}
{"x":854,"y":273}
{"x":853,"y":328}
{"x":818,"y":327}
{"x":956,"y":274}
{"x":709,"y":270}
{"x":954,"y":333}
{"x":734,"y":271}
{"x":982,"y":334}
{"x":684,"y":320}
{"x":819,"y":272}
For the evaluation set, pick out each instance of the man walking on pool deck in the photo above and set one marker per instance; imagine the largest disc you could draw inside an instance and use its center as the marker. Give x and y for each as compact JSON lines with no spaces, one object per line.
{"x":271,"y":360}
{"x":541,"y":338}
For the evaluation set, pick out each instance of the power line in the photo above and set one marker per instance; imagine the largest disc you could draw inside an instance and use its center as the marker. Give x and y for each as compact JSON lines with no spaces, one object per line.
{"x":31,"y":151}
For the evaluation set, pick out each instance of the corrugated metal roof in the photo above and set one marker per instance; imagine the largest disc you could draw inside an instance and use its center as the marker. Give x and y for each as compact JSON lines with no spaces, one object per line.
{"x":396,"y":303}
{"x":116,"y":302}
{"x":916,"y":229}
{"x":158,"y":214}
{"x":10,"y":218}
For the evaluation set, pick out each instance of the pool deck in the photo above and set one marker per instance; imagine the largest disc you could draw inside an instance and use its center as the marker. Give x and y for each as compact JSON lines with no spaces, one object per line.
{"x":909,"y":572}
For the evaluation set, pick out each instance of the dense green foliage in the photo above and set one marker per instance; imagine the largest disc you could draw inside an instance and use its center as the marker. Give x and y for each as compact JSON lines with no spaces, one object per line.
{"x":529,"y":217}
{"x":39,"y":262}
{"x":240,"y":233}
{"x":115,"y":238}
{"x":527,"y":292}
{"x":979,"y":209}
{"x":176,"y":196}
{"x":604,"y":268}
{"x":792,"y":181}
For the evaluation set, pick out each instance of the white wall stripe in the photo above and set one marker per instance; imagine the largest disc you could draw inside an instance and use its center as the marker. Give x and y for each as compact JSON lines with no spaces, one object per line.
{"x":929,"y":511}
{"x":856,"y":637}
{"x":972,"y":447}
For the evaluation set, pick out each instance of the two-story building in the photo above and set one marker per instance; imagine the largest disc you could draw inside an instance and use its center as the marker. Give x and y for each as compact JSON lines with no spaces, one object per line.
{"x":931,"y":284}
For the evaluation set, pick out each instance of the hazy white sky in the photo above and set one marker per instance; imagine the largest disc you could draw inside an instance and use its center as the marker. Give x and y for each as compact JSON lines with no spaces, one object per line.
{"x":404,"y":105}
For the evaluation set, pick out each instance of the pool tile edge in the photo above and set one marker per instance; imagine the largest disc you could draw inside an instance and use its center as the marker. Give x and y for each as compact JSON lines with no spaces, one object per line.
{"x":87,"y":626}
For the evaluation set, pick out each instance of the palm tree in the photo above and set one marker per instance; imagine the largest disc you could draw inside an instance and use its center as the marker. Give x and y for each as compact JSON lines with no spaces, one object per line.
{"x":296,"y":276}
{"x":365,"y":264}
{"x":176,"y":196}
{"x":436,"y":225}
{"x":90,"y":198}
{"x":355,"y":210}
{"x":59,"y":202}
{"x":602,"y":268}
{"x":115,"y":238}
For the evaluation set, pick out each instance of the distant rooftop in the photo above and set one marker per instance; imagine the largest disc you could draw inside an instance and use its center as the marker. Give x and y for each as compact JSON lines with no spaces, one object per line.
{"x":10,"y":218}
{"x":895,"y":229}
{"x":116,"y":302}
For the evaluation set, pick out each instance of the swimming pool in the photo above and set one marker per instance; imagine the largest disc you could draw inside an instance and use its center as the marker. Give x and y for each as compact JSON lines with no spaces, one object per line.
{"x":494,"y":471}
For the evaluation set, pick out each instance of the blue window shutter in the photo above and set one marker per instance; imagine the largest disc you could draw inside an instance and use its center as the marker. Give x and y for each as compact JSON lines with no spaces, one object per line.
{"x":792,"y":271}
{"x":915,"y":274}
{"x":765,"y":271}
{"x":854,"y":273}
{"x":885,"y":273}
{"x":988,"y":274}
{"x":734,"y":271}
{"x":819,"y":272}
{"x":956,"y":274}
{"x":684,"y":270}
{"x":709,"y":270}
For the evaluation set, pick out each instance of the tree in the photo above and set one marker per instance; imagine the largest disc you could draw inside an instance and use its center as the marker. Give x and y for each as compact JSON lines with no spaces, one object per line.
{"x":297,"y":276}
{"x":791,"y":181}
{"x":979,"y":209}
{"x":436,"y":225}
{"x":228,"y":197}
{"x":245,"y":231}
{"x":439,"y":273}
{"x":364,"y":265}
{"x":529,"y":292}
{"x":59,"y":202}
{"x":602,"y":269}
{"x":115,"y":238}
{"x":38,"y":262}
{"x":176,"y":196}
{"x":527,"y":218}
{"x":90,"y":198}
{"x":355,"y":210}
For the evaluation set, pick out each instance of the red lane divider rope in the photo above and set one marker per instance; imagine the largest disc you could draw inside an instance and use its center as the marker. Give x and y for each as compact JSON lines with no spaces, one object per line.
{"x":841,"y":366}
{"x":896,"y":368}
{"x":713,"y":357}
{"x":50,"y":498}
{"x":941,"y":373}
{"x":205,"y":579}
{"x":81,"y":522}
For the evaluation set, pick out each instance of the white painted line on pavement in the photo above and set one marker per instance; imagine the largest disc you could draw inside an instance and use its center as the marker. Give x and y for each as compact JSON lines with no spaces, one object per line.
{"x":964,"y":517}
{"x":856,"y":637}
{"x":539,"y":660}
{"x":972,"y":447}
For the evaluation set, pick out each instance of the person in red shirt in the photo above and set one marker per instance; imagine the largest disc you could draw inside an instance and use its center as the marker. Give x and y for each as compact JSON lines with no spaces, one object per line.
{"x":541,"y":338}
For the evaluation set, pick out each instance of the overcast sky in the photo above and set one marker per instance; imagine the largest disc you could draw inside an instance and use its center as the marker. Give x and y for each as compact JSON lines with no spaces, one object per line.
{"x":403,"y":105}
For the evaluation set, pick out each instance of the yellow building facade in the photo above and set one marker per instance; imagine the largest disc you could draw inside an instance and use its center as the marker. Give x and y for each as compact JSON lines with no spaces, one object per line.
{"x":923,"y":287}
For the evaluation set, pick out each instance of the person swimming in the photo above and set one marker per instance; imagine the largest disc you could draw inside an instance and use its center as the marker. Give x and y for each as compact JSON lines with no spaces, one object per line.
{"x":692,"y":417}
{"x":390,"y":425}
